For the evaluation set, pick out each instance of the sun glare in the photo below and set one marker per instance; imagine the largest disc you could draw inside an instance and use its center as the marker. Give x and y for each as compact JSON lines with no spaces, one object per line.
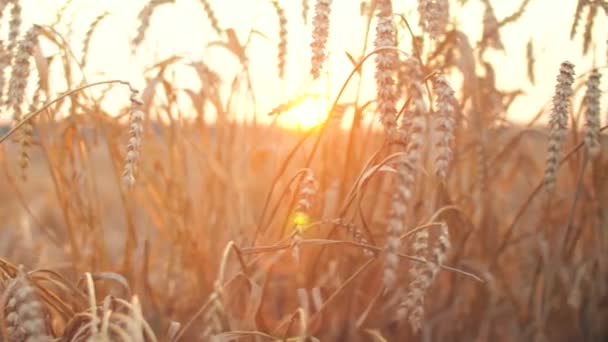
{"x":308,"y":113}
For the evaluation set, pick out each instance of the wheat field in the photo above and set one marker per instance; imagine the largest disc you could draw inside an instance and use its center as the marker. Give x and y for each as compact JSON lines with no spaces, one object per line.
{"x":404,"y":205}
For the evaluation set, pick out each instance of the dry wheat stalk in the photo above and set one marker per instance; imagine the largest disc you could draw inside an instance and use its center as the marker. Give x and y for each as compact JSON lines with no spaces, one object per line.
{"x":558,"y":121}
{"x":320,"y":33}
{"x":21,"y":72}
{"x":282,"y":47}
{"x":144,"y":17}
{"x":24,"y":314}
{"x":386,"y":67}
{"x":136,"y":117}
{"x":423,"y":274}
{"x":434,"y":16}
{"x":442,"y":133}
{"x":592,"y":113}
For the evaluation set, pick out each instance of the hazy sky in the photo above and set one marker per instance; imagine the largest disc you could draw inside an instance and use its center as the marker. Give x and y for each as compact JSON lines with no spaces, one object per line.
{"x":182,"y":28}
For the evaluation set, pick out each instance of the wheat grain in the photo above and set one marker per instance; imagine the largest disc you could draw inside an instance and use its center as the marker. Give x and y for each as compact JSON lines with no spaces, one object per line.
{"x":14,"y":26}
{"x":144,"y":17}
{"x":211,"y":15}
{"x":592,"y":113}
{"x":434,"y":16}
{"x":423,"y":274}
{"x":442,"y":134}
{"x":386,"y":67}
{"x":89,"y":36}
{"x":320,"y":34}
{"x":558,"y":121}
{"x":21,"y":72}
{"x":136,"y":117}
{"x":24,"y":313}
{"x":27,"y":132}
{"x":411,"y":131}
{"x":282,"y":47}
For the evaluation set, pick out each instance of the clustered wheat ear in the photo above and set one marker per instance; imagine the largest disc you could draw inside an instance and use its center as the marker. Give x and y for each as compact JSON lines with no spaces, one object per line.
{"x":412,"y":132}
{"x":88,"y":37}
{"x":282,"y":47}
{"x":26,"y":137}
{"x":423,"y":274}
{"x":136,"y":117}
{"x":434,"y":16}
{"x":442,"y":134}
{"x":558,"y":121}
{"x":144,"y":21}
{"x":23,"y":312}
{"x":5,"y":62}
{"x":320,"y":34}
{"x":386,"y":67}
{"x":592,"y":113}
{"x":21,"y":73}
{"x":14,"y":26}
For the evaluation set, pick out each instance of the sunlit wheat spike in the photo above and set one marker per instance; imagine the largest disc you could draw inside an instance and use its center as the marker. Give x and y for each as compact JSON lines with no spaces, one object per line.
{"x":558,"y":121}
{"x":589,"y":27}
{"x":26,"y":137}
{"x":24,"y":314}
{"x":88,"y":36}
{"x":305,"y":198}
{"x":592,"y":113}
{"x":211,"y":15}
{"x":355,"y":233}
{"x":21,"y":72}
{"x":14,"y":26}
{"x":320,"y":34}
{"x":282,"y":47}
{"x":144,"y":17}
{"x":442,"y":133}
{"x":136,"y":117}
{"x":580,"y":5}
{"x":423,"y":274}
{"x":434,"y":16}
{"x":386,"y":68}
{"x":412,"y":131}
{"x":5,"y":62}
{"x":491,"y":33}
{"x":213,"y":319}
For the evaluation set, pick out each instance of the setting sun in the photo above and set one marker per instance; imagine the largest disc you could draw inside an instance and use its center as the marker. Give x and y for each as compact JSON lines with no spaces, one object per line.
{"x":308,"y":113}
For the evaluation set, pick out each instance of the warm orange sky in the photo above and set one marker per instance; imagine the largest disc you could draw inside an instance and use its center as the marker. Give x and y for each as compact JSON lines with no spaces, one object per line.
{"x":182,"y":28}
